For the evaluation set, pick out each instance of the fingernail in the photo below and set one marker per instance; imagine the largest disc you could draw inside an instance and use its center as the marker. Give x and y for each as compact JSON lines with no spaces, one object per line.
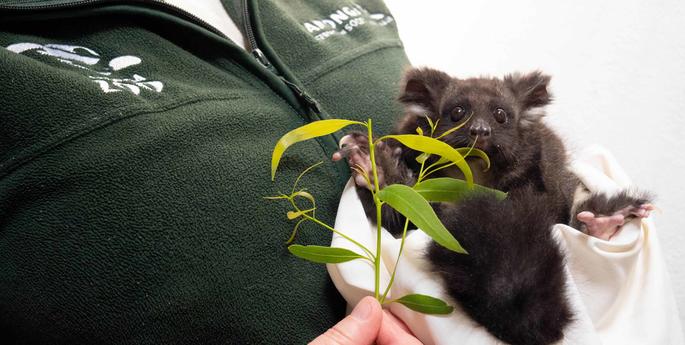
{"x":363,"y":310}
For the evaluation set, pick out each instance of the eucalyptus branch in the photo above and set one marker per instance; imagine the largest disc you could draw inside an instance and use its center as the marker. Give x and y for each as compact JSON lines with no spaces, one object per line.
{"x":455,"y":127}
{"x":317,"y":221}
{"x":302,"y":174}
{"x":376,"y":201}
{"x":397,"y":262}
{"x":420,"y":178}
{"x":429,"y":172}
{"x":407,"y":200}
{"x":446,"y":165}
{"x":366,"y":250}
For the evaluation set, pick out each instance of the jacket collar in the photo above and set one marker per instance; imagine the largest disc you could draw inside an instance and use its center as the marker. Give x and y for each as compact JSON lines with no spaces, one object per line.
{"x":47,"y":4}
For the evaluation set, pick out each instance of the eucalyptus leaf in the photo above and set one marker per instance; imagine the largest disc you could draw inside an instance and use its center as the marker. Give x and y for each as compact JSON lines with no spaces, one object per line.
{"x":430,"y":122}
{"x":469,"y":152}
{"x":283,"y":196}
{"x":474,"y":152}
{"x":449,"y":131}
{"x":437,"y":147}
{"x":294,"y":233}
{"x":293,"y":214}
{"x":425,"y":304}
{"x":324,"y":255}
{"x":412,"y":205}
{"x":422,"y":157}
{"x":305,"y":195}
{"x":447,"y":189}
{"x":306,"y":132}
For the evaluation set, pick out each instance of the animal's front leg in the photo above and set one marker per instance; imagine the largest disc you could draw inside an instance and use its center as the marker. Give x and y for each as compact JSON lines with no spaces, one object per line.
{"x":602,"y":217}
{"x":390,"y":169}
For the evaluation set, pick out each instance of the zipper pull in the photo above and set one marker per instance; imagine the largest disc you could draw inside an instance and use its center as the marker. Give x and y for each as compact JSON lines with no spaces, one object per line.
{"x":311,"y":102}
{"x":257,"y":53}
{"x":259,"y":56}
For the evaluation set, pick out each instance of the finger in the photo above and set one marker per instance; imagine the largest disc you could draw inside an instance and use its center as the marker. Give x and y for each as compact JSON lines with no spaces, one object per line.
{"x":358,"y":328}
{"x":344,"y":152}
{"x":585,"y":216}
{"x":394,"y":332}
{"x":648,"y":207}
{"x":643,"y":211}
{"x":616,"y":220}
{"x":392,"y":318}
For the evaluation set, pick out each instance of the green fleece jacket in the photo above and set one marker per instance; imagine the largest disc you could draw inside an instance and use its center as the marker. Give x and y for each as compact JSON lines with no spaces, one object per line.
{"x":135,"y":145}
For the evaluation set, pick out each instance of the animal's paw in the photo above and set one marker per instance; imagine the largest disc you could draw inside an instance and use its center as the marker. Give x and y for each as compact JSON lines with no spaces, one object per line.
{"x":355,"y":147}
{"x":606,"y":226}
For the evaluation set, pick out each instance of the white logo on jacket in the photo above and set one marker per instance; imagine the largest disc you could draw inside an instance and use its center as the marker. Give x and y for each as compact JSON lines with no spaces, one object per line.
{"x":345,"y":20}
{"x":110,"y":77}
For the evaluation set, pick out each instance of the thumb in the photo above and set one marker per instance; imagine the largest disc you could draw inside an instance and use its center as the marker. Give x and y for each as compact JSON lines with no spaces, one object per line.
{"x":358,"y":328}
{"x":395,"y":332}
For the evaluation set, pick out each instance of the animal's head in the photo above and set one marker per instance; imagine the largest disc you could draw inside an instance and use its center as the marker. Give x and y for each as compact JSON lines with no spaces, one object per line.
{"x":498,"y":111}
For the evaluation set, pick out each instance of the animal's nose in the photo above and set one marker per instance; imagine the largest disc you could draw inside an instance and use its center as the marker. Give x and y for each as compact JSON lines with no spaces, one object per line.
{"x":479,"y":128}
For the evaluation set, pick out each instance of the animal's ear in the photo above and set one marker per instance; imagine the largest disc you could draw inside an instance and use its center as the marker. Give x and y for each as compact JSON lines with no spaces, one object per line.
{"x":422,"y":88}
{"x":530,"y":89}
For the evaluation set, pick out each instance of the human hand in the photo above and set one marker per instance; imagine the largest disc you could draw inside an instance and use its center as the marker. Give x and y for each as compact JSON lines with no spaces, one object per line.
{"x":368,"y":324}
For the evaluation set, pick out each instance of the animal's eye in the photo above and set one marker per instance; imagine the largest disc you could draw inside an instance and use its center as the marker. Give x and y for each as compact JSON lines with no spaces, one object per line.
{"x":458,"y":113}
{"x":500,"y":115}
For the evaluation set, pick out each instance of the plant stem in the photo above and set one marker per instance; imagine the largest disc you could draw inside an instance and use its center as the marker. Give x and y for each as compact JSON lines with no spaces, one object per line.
{"x":368,"y":252}
{"x":429,"y":172}
{"x":397,"y":262}
{"x":315,"y":220}
{"x":422,"y":174}
{"x":420,"y":178}
{"x":377,"y":285}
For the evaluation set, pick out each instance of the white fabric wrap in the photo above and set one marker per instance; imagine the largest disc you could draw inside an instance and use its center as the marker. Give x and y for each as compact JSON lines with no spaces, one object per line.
{"x":619,"y":289}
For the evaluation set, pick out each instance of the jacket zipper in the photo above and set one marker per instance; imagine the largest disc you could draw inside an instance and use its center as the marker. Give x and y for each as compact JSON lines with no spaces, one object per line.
{"x":253,"y":47}
{"x":252,"y":42}
{"x":310,"y":102}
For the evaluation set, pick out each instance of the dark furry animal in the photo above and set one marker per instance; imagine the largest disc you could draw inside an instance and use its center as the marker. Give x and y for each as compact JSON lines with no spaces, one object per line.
{"x":513,"y":281}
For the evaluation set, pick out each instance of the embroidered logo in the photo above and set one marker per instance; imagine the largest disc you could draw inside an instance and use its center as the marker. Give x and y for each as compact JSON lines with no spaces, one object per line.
{"x":345,"y":20}
{"x":110,"y":76}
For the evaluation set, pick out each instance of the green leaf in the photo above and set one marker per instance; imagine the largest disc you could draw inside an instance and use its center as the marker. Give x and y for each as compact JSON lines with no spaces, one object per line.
{"x":455,"y":127}
{"x":474,"y":152}
{"x":422,"y":157}
{"x":469,"y":152}
{"x":412,"y":205}
{"x":294,"y":233}
{"x":419,"y":130}
{"x":305,"y":195}
{"x":282,"y":196}
{"x":447,"y":189}
{"x":306,"y":132}
{"x":437,"y":147}
{"x":292,"y":214}
{"x":324,"y":255}
{"x":425,"y":304}
{"x":430,"y":122}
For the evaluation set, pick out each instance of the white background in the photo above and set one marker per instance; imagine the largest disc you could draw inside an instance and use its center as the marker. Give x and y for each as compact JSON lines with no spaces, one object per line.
{"x":618,"y":77}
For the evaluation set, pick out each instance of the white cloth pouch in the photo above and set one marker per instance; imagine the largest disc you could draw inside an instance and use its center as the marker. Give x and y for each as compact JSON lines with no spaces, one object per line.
{"x":619,"y":289}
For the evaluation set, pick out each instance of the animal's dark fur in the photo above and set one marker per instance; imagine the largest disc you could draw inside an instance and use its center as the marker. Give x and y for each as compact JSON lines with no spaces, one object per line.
{"x":513,"y":280}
